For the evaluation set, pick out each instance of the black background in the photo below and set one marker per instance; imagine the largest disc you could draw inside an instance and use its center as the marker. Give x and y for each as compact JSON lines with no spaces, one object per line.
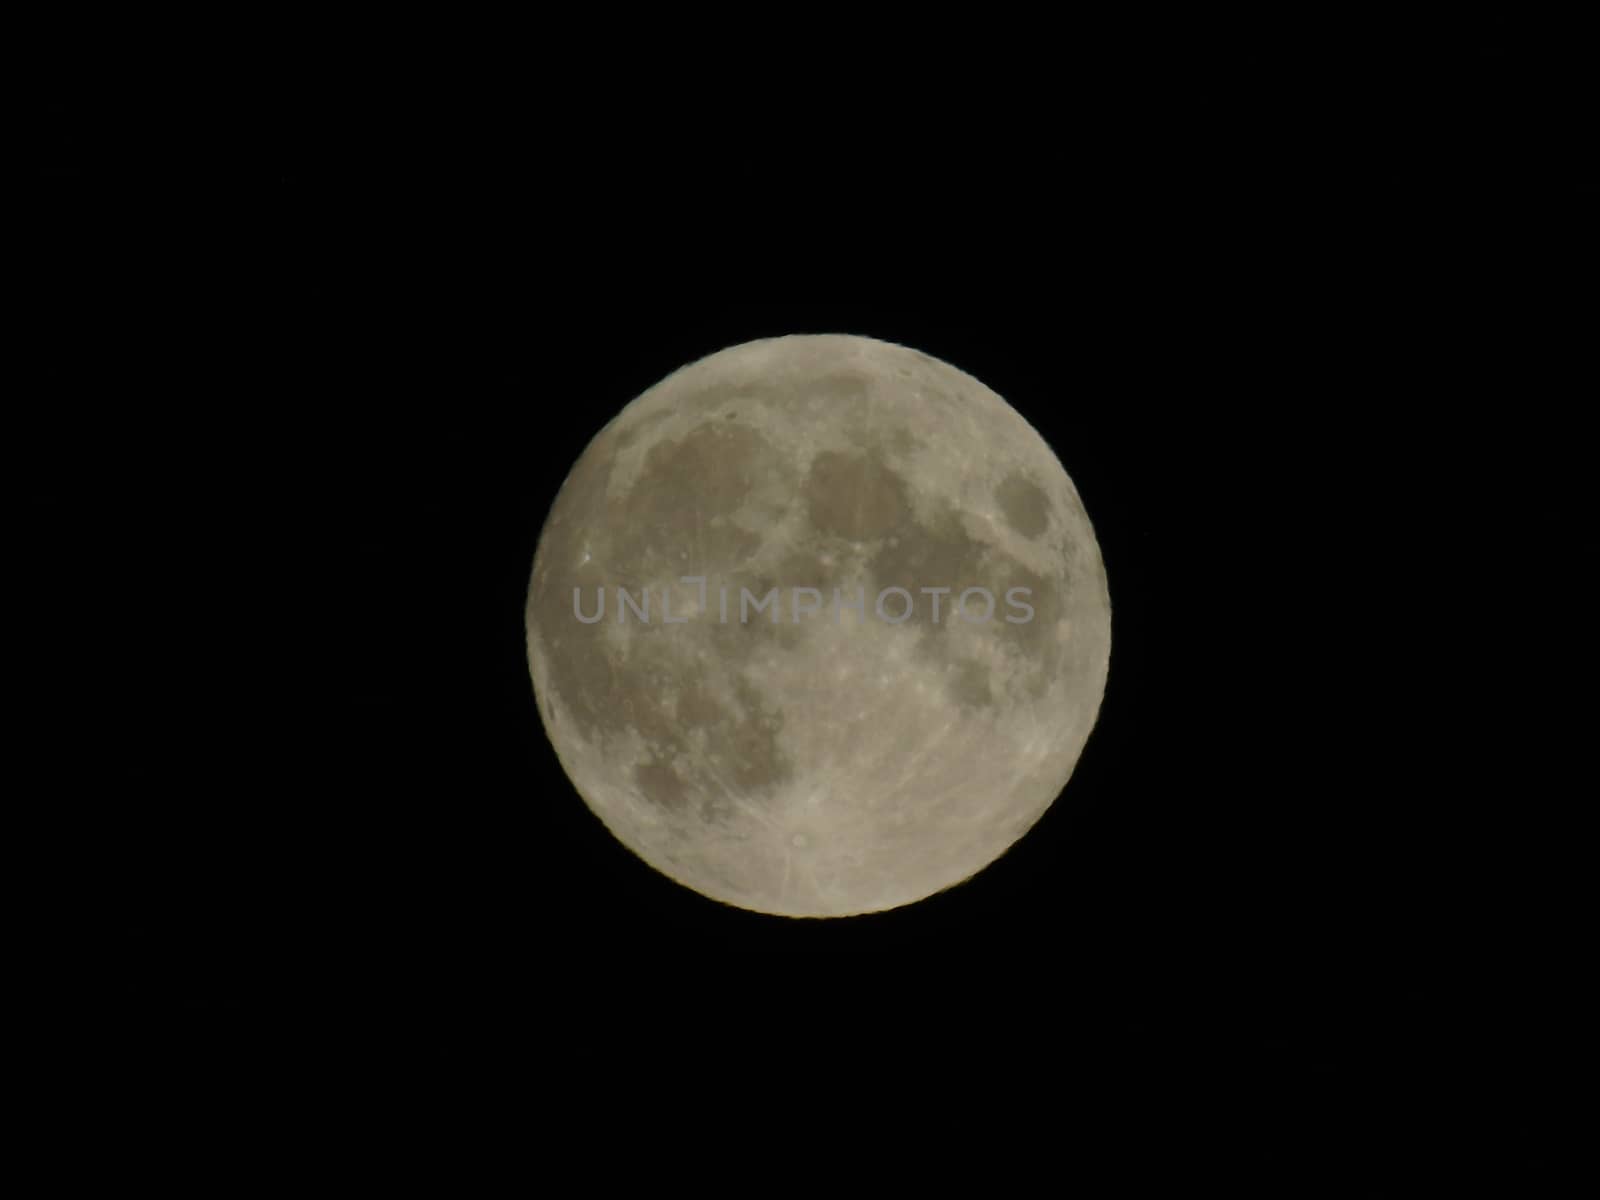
{"x":311,"y":401}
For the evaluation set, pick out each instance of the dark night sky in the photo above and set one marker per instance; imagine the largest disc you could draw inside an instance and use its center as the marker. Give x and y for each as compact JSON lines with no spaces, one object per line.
{"x":314,"y":405}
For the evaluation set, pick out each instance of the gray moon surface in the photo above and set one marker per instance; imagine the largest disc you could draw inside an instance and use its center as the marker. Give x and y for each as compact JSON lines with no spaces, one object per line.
{"x":812,"y":758}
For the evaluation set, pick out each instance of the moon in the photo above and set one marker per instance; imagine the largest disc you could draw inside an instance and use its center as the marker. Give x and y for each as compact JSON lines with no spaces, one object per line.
{"x":818,"y":626}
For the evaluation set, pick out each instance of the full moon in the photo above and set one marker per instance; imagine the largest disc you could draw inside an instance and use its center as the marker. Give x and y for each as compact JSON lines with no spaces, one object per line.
{"x":818,"y":626}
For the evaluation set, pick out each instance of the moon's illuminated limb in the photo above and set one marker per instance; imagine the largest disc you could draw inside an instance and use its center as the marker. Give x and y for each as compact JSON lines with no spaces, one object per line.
{"x":824,"y":764}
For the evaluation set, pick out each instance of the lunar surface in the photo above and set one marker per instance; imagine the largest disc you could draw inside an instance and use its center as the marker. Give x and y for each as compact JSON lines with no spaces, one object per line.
{"x":818,"y":626}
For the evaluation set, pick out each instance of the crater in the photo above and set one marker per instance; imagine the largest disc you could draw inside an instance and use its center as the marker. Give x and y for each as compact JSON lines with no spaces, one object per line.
{"x":626,"y":437}
{"x":967,"y":683}
{"x":1034,"y":640}
{"x":900,"y":440}
{"x":1026,"y":507}
{"x":940,"y":554}
{"x":842,"y":387}
{"x":679,"y":508}
{"x":748,"y":748}
{"x":728,"y":397}
{"x":854,"y":496}
{"x":661,"y":785}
